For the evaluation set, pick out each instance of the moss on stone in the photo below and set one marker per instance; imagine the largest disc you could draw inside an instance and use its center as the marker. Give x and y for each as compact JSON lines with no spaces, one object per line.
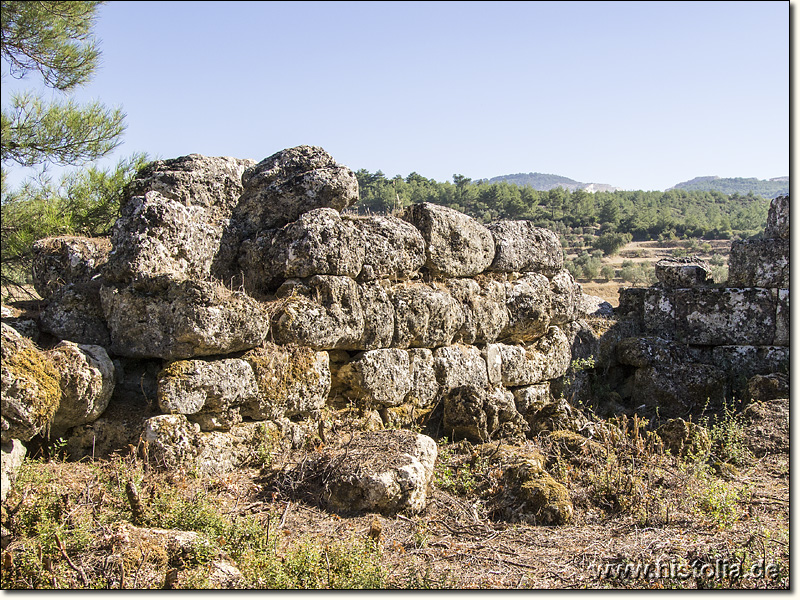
{"x":546,"y":500}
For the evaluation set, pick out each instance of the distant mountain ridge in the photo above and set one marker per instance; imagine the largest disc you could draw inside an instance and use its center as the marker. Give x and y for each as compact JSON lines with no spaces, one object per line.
{"x":544,"y":182}
{"x":767,"y":188}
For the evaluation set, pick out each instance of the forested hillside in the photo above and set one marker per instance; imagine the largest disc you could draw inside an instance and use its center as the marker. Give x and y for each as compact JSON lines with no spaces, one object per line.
{"x":768,"y":188}
{"x":644,"y":215}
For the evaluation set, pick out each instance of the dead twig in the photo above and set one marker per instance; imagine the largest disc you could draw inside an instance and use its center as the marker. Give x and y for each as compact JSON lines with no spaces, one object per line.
{"x":71,"y":564}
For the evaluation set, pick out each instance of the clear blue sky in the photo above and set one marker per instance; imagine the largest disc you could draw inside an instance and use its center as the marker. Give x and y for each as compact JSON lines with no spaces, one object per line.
{"x":641,"y":95}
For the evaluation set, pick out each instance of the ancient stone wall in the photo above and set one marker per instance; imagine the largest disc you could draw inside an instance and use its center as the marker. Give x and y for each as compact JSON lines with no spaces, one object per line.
{"x":693,"y":342}
{"x":234,"y":293}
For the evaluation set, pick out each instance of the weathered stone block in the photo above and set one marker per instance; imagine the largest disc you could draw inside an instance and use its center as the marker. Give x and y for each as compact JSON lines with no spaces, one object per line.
{"x":743,"y":362}
{"x":289,"y":183}
{"x":30,"y":388}
{"x":181,"y":319}
{"x":378,"y":378}
{"x":460,"y":365}
{"x":678,"y":389}
{"x":759,"y":263}
{"x":529,"y":305}
{"x":484,"y":306}
{"x":75,"y":313}
{"x":522,"y":247}
{"x":456,"y":245}
{"x":686,"y":272}
{"x":545,"y":359}
{"x":59,"y":261}
{"x":425,"y":316}
{"x":778,"y":218}
{"x":782,"y":318}
{"x":566,"y":297}
{"x":393,"y":248}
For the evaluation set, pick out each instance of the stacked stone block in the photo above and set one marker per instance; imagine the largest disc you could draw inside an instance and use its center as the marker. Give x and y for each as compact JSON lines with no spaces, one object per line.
{"x":729,"y":333}
{"x":254,"y":296}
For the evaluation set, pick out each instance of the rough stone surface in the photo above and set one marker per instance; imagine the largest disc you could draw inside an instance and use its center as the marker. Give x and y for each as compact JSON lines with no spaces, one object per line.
{"x":530,"y":399}
{"x":483,"y":303}
{"x":378,"y":378}
{"x":31,"y":389}
{"x":381,"y":471}
{"x":189,"y":386}
{"x":75,"y":313}
{"x":289,"y":183}
{"x":393,"y":248}
{"x":425,"y":316}
{"x":683,"y":272}
{"x":293,"y":381}
{"x":778,"y":219}
{"x":522,"y":247}
{"x":456,"y":245}
{"x":678,"y":389}
{"x":768,"y":387}
{"x":12,"y":453}
{"x":323,"y":312}
{"x":379,"y":316}
{"x":424,"y":386}
{"x":546,"y":359}
{"x":767,"y":427}
{"x":529,"y":304}
{"x":649,"y":352}
{"x":460,"y":365}
{"x":319,"y":242}
{"x":171,"y":441}
{"x":59,"y":261}
{"x":566,"y":298}
{"x":480,"y":414}
{"x":87,"y":381}
{"x":158,"y":235}
{"x":782,"y":318}
{"x":759,"y":263}
{"x":594,"y":306}
{"x":182,"y":319}
{"x":558,"y":415}
{"x":746,"y":361}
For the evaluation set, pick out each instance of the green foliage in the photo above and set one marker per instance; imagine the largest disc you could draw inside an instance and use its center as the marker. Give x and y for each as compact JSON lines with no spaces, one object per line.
{"x":83,"y":203}
{"x":642,"y":215}
{"x":611,"y":243}
{"x":768,"y":188}
{"x":640,"y":273}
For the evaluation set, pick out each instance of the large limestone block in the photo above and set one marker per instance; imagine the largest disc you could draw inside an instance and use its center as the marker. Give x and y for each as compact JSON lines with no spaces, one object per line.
{"x":480,"y":414}
{"x":678,"y":390}
{"x":188,"y":386}
{"x":745,"y":361}
{"x":75,"y":313}
{"x":182,"y":319}
{"x":725,"y":316}
{"x":59,"y":261}
{"x":213,"y":182}
{"x":458,"y":366}
{"x":393,"y":248}
{"x":157,"y":235}
{"x":547,"y":358}
{"x":171,"y":441}
{"x":484,"y":304}
{"x":759,"y":263}
{"x":529,"y":304}
{"x":530,"y":399}
{"x":684,"y":272}
{"x":379,"y":315}
{"x":778,"y":218}
{"x":649,"y":352}
{"x":456,"y":244}
{"x":425,"y":316}
{"x":292,"y":381}
{"x":319,"y":242}
{"x":30,"y":388}
{"x":381,"y":471}
{"x":378,"y":378}
{"x":289,"y":183}
{"x":522,"y":247}
{"x":87,"y":381}
{"x":323,"y":312}
{"x":566,"y":298}
{"x":424,"y":386}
